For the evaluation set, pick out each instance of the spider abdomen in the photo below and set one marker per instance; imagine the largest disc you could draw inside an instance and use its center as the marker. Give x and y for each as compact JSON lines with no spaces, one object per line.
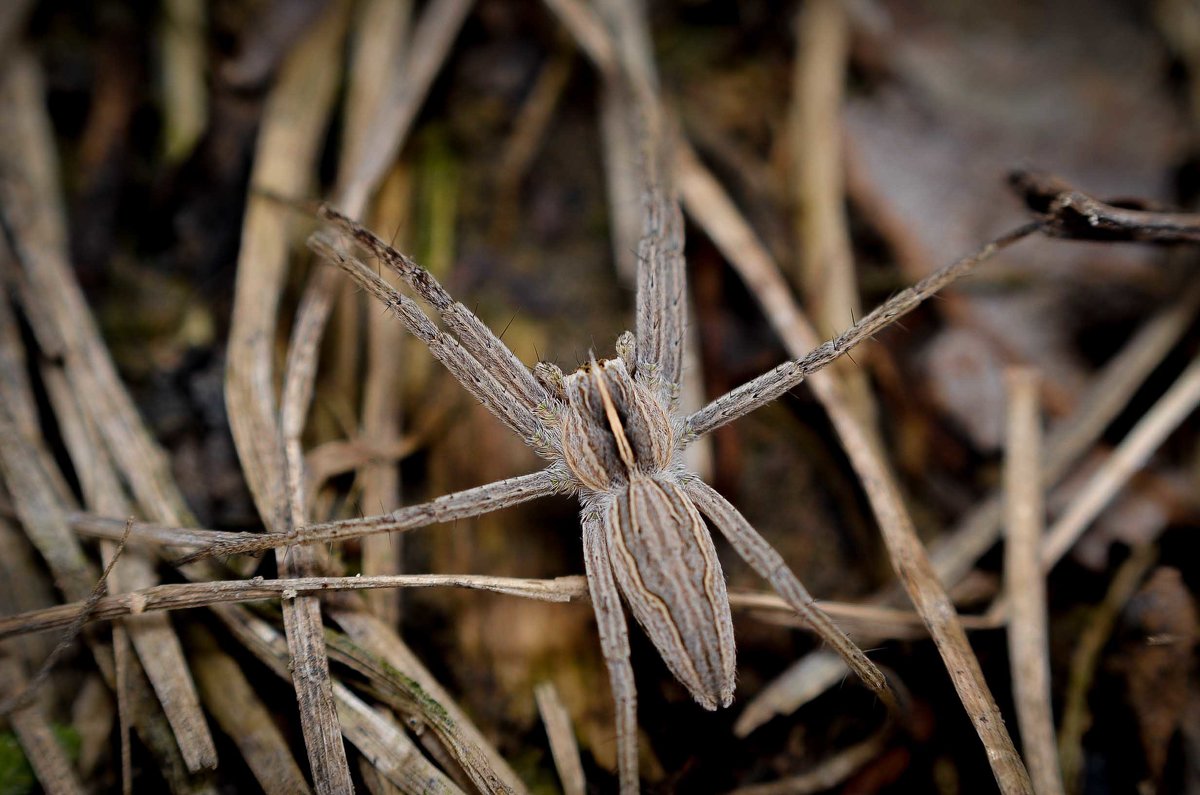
{"x":667,"y":569}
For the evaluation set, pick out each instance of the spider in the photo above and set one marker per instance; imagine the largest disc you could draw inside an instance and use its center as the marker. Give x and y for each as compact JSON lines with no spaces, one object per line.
{"x":614,"y":438}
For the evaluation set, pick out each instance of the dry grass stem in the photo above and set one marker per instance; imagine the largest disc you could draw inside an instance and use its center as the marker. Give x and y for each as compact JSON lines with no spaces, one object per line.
{"x":392,"y":688}
{"x":388,"y":748}
{"x":383,"y":23}
{"x":25,"y":697}
{"x":121,"y":686}
{"x":339,"y":456}
{"x":183,"y":596}
{"x":302,"y":621}
{"x":233,"y":702}
{"x":368,"y":632}
{"x":435,"y":31}
{"x":588,"y":32}
{"x":374,"y":781}
{"x":1029,"y":652}
{"x":293,"y":122}
{"x":382,"y":411}
{"x":51,"y":766}
{"x":94,"y":717}
{"x":152,"y":637}
{"x":824,"y":260}
{"x":21,"y":591}
{"x":858,"y":620}
{"x":529,"y":130}
{"x":377,"y":45}
{"x":380,"y":48}
{"x":1129,"y":456}
{"x":30,"y":194}
{"x":956,"y":553}
{"x":803,"y":681}
{"x":715,"y":212}
{"x":865,"y":620}
{"x":562,"y":738}
{"x":828,"y":774}
{"x":38,"y":507}
{"x":787,"y":376}
{"x":14,"y":365}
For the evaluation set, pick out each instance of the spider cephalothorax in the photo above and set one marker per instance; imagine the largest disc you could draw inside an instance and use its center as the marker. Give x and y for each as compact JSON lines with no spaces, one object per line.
{"x":613,"y":428}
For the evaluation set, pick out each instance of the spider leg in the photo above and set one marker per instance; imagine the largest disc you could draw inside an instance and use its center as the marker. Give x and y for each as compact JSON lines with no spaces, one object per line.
{"x":763,"y":558}
{"x":632,"y":84}
{"x":775,"y":383}
{"x":614,"y":641}
{"x":459,"y":505}
{"x":479,"y":340}
{"x":484,"y":383}
{"x":661,"y":304}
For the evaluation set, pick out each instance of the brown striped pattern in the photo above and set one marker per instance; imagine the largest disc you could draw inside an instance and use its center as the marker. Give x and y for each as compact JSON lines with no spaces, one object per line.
{"x":664,"y":561}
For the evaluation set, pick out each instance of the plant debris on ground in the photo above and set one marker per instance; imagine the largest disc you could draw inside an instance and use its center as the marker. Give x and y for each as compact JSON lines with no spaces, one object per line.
{"x":178,"y":369}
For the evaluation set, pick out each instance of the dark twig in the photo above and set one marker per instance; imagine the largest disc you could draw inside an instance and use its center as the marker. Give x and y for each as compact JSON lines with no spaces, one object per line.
{"x":1070,"y":213}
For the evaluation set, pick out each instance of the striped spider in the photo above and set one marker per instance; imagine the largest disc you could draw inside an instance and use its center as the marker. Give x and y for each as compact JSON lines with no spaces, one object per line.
{"x":614,"y":438}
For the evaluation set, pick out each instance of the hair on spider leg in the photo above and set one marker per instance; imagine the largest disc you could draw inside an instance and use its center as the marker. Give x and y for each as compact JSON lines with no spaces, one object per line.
{"x":392,"y":306}
{"x":509,"y":323}
{"x":287,"y":557}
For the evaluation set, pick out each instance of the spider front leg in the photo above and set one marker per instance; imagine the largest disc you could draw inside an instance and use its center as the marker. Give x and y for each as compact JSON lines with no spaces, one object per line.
{"x":491,"y":386}
{"x":763,"y":558}
{"x":778,"y":381}
{"x":614,"y":642}
{"x":473,"y":333}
